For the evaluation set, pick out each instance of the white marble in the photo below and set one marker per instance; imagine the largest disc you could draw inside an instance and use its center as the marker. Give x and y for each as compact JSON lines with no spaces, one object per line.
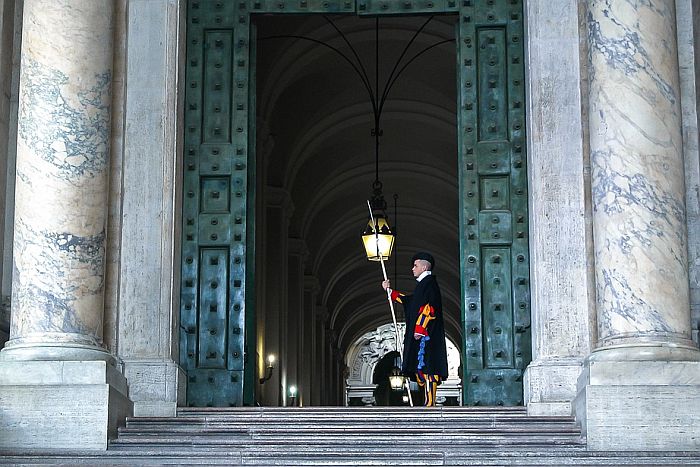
{"x":157,"y":387}
{"x":639,"y":388}
{"x":61,"y":405}
{"x":637,"y":174}
{"x":640,"y":405}
{"x":558,"y":250}
{"x":62,"y":157}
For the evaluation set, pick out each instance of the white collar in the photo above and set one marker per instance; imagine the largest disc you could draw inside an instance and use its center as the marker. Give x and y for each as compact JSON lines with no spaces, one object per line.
{"x":423,"y":275}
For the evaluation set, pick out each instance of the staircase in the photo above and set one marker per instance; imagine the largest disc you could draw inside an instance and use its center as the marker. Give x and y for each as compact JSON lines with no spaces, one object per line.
{"x":354,"y":436}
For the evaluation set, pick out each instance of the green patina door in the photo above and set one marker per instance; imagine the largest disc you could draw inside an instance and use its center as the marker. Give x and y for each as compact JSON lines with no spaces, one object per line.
{"x":217,"y":233}
{"x":493,"y":197}
{"x":216,"y":337}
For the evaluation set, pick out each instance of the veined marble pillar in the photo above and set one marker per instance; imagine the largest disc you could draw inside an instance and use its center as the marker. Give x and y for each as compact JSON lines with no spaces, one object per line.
{"x":61,"y":185}
{"x":638,"y":184}
{"x":644,"y":373}
{"x":54,"y":365}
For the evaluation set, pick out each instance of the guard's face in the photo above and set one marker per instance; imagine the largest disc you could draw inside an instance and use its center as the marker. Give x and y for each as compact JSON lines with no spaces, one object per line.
{"x":418,"y":268}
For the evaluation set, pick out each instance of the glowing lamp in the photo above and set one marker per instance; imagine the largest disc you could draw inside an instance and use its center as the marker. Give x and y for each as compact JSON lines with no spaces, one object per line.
{"x":378,"y":241}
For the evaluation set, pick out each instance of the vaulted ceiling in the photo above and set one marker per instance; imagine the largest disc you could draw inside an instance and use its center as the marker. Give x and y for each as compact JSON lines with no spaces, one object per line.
{"x":314,"y":138}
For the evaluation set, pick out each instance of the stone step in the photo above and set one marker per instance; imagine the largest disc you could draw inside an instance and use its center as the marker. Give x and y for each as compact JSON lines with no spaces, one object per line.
{"x":321,"y":430}
{"x":346,"y":442}
{"x":350,"y":421}
{"x":364,"y":418}
{"x":341,"y":411}
{"x":359,"y":436}
{"x":342,"y":434}
{"x":312,"y":432}
{"x":473,"y":456}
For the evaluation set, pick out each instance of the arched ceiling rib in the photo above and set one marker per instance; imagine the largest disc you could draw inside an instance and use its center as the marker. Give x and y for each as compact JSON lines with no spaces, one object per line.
{"x":296,"y":59}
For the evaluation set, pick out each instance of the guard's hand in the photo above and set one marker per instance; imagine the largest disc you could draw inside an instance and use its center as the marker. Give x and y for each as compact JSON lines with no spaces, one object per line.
{"x":386,"y":284}
{"x":417,"y":336}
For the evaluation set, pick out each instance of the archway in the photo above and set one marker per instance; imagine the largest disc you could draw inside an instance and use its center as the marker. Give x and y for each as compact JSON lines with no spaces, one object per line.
{"x":278,"y":169}
{"x":365,"y":354}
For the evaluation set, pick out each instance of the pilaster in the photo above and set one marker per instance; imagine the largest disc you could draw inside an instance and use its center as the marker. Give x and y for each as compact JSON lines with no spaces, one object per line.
{"x":309,"y":375}
{"x":8,"y":153}
{"x":561,"y":305}
{"x":688,"y":14}
{"x":273,"y":318}
{"x":7,"y":24}
{"x":297,"y":254}
{"x":148,"y":334}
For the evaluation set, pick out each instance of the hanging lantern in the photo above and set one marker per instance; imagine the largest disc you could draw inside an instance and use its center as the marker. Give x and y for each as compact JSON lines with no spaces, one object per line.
{"x":396,"y":379}
{"x":378,"y":237}
{"x":378,"y":242}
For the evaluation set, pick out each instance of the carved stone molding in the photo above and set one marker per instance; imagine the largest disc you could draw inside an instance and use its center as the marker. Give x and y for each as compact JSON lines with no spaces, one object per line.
{"x":364,"y":354}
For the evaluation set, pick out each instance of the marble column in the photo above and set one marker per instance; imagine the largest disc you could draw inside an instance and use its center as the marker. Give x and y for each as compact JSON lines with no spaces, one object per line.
{"x":644,"y":373}
{"x":638,"y":182}
{"x":54,"y":365}
{"x":61,"y":184}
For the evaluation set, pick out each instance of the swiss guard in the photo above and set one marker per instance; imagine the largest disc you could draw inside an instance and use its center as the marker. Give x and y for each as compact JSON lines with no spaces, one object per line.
{"x":424,"y":348}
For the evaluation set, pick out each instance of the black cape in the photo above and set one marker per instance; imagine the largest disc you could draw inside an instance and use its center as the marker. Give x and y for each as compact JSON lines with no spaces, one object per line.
{"x":435,"y":359}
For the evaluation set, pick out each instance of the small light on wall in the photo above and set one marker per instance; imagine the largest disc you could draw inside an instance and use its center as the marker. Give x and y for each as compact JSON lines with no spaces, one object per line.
{"x":293,"y":395}
{"x":270,"y":366}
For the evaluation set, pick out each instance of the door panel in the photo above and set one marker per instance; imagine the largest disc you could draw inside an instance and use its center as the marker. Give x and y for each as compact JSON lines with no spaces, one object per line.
{"x":493,"y":197}
{"x":215,"y":211}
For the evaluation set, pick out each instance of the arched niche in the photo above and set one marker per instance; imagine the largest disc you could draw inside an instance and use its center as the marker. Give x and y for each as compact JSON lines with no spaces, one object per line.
{"x":364,"y":354}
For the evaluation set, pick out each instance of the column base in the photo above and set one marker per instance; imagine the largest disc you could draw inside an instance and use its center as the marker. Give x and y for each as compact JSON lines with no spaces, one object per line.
{"x":58,"y":346}
{"x":157,"y":387}
{"x":54,"y":405}
{"x":550,"y":386}
{"x":639,"y":405}
{"x":685,"y":351}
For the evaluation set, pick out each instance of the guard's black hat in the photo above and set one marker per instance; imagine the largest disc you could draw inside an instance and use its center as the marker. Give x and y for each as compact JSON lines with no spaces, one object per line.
{"x":424,"y":256}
